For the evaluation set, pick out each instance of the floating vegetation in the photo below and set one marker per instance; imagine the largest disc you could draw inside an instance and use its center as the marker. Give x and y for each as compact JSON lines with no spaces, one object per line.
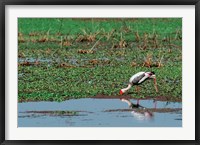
{"x":54,"y":113}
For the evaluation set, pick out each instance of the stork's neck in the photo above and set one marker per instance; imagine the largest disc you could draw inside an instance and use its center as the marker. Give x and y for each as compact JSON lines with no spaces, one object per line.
{"x":127,"y":88}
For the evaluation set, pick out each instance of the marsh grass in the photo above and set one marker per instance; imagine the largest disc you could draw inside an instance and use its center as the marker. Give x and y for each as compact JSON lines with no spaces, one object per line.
{"x":75,"y":58}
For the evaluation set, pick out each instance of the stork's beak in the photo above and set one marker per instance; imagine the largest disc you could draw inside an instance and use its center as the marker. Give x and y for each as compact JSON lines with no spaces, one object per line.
{"x":120,"y":92}
{"x":155,"y":84}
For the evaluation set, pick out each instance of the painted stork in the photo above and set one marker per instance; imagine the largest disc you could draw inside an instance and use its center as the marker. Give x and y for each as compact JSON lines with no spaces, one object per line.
{"x":138,"y":79}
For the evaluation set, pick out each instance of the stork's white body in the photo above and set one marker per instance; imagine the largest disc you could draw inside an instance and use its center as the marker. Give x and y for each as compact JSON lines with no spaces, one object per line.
{"x":138,"y":78}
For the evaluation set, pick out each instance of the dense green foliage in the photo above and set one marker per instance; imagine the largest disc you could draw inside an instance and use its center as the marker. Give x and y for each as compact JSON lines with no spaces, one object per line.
{"x":60,"y":59}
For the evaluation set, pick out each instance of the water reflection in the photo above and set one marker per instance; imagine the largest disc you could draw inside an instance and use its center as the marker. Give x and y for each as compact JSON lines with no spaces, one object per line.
{"x":139,"y":112}
{"x":146,"y":115}
{"x":89,"y":112}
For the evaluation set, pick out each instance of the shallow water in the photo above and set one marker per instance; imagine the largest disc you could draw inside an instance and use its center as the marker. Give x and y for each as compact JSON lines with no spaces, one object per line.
{"x":99,"y":113}
{"x":71,"y":61}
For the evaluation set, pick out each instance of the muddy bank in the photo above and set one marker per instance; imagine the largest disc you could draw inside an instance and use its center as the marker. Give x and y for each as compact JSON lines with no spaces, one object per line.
{"x":158,"y":98}
{"x":100,"y":96}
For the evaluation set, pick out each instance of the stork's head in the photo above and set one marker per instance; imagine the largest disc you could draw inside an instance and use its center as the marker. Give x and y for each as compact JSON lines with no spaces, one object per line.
{"x":121,"y":92}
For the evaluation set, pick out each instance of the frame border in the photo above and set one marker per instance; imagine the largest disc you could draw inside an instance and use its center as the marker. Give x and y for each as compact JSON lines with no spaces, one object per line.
{"x":3,"y":4}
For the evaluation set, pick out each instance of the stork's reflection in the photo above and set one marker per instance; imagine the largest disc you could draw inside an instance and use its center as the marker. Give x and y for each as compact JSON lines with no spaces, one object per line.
{"x":138,"y":111}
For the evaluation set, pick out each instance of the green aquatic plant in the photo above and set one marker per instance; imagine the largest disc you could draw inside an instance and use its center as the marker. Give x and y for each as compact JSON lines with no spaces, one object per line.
{"x":55,"y":71}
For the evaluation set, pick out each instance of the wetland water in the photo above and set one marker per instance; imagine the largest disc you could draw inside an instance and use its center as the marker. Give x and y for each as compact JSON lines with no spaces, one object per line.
{"x":93,"y":112}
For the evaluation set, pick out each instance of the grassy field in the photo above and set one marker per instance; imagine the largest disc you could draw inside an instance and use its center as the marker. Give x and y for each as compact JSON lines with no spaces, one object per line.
{"x":60,"y":59}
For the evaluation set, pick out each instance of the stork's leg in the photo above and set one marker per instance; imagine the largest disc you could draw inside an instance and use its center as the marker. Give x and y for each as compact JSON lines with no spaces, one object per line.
{"x":155,"y":104}
{"x":138,"y":101}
